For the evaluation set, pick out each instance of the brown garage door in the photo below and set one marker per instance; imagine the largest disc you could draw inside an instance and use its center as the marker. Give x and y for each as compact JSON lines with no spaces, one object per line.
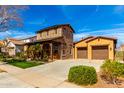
{"x":100,"y":52}
{"x":82,"y":52}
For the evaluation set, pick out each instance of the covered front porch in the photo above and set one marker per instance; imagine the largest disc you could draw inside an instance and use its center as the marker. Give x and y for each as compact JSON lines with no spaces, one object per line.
{"x":53,"y":49}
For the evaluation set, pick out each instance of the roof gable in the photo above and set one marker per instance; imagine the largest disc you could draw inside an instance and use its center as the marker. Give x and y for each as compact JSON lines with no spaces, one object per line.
{"x":109,"y":38}
{"x":10,"y":44}
{"x":91,"y":38}
{"x":84,"y":39}
{"x":15,"y":41}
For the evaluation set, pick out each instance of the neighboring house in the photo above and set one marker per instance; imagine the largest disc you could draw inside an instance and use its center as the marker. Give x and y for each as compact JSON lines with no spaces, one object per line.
{"x":95,"y":48}
{"x":121,"y":48}
{"x":1,"y":45}
{"x":56,"y":40}
{"x":30,"y":39}
{"x":12,"y":46}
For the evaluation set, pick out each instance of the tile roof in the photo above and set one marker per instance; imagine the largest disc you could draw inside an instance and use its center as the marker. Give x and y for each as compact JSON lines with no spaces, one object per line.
{"x":29,"y":37}
{"x":111,"y":38}
{"x":48,"y":39}
{"x":85,"y":39}
{"x":16,"y":41}
{"x":55,"y":26}
{"x":90,"y":38}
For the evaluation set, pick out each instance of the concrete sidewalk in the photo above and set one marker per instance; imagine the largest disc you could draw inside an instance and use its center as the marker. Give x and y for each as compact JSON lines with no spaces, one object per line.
{"x":9,"y":81}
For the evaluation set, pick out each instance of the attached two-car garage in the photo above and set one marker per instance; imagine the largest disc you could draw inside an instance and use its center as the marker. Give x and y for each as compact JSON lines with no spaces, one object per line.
{"x":98,"y":48}
{"x":98,"y":52}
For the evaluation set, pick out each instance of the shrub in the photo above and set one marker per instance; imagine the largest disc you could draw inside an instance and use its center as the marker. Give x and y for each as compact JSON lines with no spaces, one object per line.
{"x":1,"y":56}
{"x":14,"y":60}
{"x":111,"y":70}
{"x":21,"y":55}
{"x":82,"y":75}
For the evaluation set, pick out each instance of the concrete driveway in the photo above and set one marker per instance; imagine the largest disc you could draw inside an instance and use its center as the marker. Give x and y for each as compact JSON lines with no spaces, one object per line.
{"x":59,"y":69}
{"x":51,"y":75}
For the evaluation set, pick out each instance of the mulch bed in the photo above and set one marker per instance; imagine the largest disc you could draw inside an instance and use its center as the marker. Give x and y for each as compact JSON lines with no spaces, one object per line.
{"x":102,"y":83}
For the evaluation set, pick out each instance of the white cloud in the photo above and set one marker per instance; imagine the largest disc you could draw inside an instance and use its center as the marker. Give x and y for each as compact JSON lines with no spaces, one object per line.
{"x":38,"y":22}
{"x":115,"y":32}
{"x":23,"y":35}
{"x":15,"y":34}
{"x":84,"y":29}
{"x":3,"y":34}
{"x":79,"y":36}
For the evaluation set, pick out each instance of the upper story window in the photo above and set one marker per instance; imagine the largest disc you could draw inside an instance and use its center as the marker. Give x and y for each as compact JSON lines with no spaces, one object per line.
{"x":40,"y":34}
{"x":56,"y":31}
{"x":47,"y":33}
{"x":66,"y":32}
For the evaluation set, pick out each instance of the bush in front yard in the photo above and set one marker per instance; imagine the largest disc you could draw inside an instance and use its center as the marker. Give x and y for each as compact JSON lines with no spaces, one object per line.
{"x":82,"y":75}
{"x":111,"y":70}
{"x":13,"y":60}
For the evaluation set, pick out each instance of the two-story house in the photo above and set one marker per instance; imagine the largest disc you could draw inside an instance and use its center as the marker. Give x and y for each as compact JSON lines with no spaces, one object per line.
{"x":56,"y":40}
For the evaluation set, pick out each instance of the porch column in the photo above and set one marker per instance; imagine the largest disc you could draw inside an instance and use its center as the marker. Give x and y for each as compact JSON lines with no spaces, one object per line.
{"x":51,"y":51}
{"x":61,"y":48}
{"x":89,"y":52}
{"x":41,"y":55}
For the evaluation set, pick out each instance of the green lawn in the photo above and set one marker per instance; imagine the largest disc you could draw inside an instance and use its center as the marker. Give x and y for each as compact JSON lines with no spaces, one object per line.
{"x":24,"y":64}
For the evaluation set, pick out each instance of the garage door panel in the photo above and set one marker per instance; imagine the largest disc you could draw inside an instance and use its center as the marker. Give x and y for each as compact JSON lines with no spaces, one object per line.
{"x":82,"y":52}
{"x":100,"y":52}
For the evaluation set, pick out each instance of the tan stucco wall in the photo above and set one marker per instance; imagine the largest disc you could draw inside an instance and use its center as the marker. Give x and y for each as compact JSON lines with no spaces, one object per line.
{"x":96,"y":42}
{"x":49,"y":34}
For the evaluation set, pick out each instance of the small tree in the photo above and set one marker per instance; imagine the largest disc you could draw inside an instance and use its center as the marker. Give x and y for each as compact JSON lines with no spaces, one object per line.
{"x":30,"y":52}
{"x":10,"y":17}
{"x":35,"y":52}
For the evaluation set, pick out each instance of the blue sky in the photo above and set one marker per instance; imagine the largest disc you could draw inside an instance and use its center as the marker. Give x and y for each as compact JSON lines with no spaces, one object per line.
{"x":86,"y":21}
